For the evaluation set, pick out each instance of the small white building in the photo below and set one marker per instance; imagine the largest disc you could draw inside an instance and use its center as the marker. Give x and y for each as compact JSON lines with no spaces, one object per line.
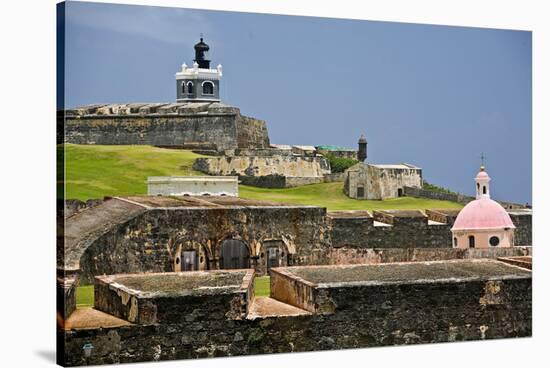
{"x":193,"y":185}
{"x":483,"y":223}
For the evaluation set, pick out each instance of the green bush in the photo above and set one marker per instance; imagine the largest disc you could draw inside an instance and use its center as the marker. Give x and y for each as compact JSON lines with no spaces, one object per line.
{"x":339,"y":164}
{"x":435,"y":188}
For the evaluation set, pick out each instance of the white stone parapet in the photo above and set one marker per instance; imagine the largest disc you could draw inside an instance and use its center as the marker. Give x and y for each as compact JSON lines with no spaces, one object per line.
{"x":193,"y":185}
{"x":198,"y":73}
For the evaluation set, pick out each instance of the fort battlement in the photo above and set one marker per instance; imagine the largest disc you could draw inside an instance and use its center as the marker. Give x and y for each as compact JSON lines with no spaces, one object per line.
{"x":341,"y":307}
{"x":156,"y":230}
{"x":197,"y":125}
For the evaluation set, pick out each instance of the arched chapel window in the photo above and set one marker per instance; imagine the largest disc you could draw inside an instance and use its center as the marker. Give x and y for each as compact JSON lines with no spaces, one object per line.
{"x":207,"y":88}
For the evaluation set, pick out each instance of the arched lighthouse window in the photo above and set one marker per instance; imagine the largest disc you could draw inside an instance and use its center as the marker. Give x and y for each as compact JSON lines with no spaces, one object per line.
{"x":207,"y":88}
{"x":190,"y":87}
{"x":183,"y":87}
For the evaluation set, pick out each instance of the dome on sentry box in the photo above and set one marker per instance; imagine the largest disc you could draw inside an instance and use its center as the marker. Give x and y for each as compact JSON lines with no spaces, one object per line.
{"x":483,"y":213}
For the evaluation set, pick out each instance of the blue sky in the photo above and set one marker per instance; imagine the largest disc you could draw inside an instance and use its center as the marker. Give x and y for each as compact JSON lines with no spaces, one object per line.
{"x":434,"y":96}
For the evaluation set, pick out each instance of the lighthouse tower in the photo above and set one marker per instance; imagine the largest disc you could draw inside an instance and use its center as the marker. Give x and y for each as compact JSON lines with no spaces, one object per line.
{"x":199,"y":83}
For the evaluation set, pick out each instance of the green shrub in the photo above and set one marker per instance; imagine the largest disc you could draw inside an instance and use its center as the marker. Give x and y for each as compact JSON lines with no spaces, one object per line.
{"x":339,"y":164}
{"x":435,"y":188}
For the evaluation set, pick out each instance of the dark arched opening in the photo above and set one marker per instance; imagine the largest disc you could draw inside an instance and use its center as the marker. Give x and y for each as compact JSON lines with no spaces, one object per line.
{"x":472,"y":241}
{"x":234,"y":254}
{"x":207,"y":88}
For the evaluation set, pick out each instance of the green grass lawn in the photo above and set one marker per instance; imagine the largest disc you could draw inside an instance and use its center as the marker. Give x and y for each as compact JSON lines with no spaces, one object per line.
{"x":85,"y":296}
{"x":94,"y":171}
{"x":331,"y":196}
{"x":261,"y":286}
{"x":98,"y":171}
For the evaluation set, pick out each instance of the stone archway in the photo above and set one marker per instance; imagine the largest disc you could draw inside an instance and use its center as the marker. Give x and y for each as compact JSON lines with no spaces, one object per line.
{"x":190,"y":256}
{"x":234,"y":254}
{"x":274,"y":253}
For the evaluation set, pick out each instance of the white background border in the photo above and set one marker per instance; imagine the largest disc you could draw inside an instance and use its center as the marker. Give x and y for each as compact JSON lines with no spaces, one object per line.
{"x":27,"y":141}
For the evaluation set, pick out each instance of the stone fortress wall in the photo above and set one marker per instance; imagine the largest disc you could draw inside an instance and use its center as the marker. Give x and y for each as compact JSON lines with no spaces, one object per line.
{"x":145,"y":234}
{"x":334,"y":307}
{"x":321,"y":304}
{"x":459,"y":198}
{"x":272,"y":168}
{"x":197,"y":125}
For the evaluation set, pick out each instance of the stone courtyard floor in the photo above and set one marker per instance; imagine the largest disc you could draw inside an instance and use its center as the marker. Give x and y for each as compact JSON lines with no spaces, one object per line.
{"x":268,"y":307}
{"x":83,"y":318}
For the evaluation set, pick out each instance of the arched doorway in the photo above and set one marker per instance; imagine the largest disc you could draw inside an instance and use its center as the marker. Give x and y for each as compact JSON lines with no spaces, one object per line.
{"x":234,"y":254}
{"x":273,"y":254}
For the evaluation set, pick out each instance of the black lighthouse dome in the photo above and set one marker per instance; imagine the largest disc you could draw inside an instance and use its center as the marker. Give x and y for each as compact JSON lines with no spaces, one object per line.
{"x":201,"y":54}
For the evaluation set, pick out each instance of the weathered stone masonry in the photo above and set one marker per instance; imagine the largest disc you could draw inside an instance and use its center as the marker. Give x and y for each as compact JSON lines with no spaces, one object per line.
{"x":138,"y":234}
{"x":150,"y":239}
{"x":210,"y":126}
{"x":463,"y":301}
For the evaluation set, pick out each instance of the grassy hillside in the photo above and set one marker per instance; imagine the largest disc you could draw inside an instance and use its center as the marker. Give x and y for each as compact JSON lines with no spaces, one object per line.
{"x":332,"y":196}
{"x":98,"y":171}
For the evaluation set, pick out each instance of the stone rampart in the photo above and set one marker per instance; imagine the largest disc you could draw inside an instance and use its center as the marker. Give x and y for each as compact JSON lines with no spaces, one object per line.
{"x":289,"y":166}
{"x":209,"y":126}
{"x":460,"y":198}
{"x":353,"y":307}
{"x":146,"y":234}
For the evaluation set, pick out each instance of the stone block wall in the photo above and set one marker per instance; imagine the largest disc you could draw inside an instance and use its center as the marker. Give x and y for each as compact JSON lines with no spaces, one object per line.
{"x":364,"y":315}
{"x":405,"y":231}
{"x":279,"y":181}
{"x":183,"y":125}
{"x":402,"y":232}
{"x":288,"y":166}
{"x":380,"y":181}
{"x":139,"y":238}
{"x":168,"y":298}
{"x":524,"y":223}
{"x":149,"y":242}
{"x":460,"y":198}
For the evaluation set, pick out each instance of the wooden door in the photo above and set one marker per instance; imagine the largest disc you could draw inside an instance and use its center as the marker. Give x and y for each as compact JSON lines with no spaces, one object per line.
{"x":272,"y":257}
{"x":234,"y":255}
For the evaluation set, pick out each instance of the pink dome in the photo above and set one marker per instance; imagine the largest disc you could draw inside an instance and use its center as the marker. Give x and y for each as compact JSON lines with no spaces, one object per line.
{"x":482,"y":175}
{"x":483,"y":213}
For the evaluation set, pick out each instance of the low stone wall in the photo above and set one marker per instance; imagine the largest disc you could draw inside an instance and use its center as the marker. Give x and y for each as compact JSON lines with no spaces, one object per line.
{"x":146,"y":234}
{"x":181,"y":125}
{"x":460,"y":198}
{"x":523,"y":220}
{"x":288,"y":166}
{"x":150,"y":241}
{"x":349,"y":229}
{"x":279,"y":181}
{"x":73,"y":206}
{"x":395,"y":307}
{"x":334,"y":177}
{"x":352,"y":255}
{"x":167,"y":298}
